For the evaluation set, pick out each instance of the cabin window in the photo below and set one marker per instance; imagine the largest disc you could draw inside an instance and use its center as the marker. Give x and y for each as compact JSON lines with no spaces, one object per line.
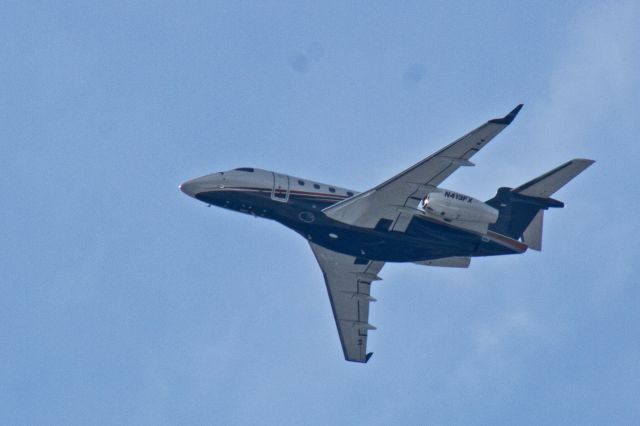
{"x":300,"y":182}
{"x":316,"y":186}
{"x":245,"y":169}
{"x":332,"y":189}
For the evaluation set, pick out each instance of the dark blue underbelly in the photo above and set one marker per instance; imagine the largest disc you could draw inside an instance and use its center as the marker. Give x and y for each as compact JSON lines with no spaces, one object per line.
{"x":422,"y":240}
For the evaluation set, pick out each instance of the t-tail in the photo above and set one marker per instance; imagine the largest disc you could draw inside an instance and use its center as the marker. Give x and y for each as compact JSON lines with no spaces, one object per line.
{"x":522,"y":209}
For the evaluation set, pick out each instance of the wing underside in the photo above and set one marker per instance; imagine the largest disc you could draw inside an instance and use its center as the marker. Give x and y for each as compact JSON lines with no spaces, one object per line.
{"x":397,"y":197}
{"x":348,"y":280}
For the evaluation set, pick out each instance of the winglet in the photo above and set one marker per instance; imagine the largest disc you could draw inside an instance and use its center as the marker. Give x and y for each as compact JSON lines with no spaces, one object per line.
{"x":507,"y":119}
{"x":368,"y":357}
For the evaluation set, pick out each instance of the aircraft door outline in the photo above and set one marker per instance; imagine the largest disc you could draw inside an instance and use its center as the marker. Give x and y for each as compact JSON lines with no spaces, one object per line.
{"x":280,"y":191}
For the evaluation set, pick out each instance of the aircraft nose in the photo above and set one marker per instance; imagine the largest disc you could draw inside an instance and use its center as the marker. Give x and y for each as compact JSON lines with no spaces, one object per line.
{"x":201,"y":184}
{"x":190,"y":187}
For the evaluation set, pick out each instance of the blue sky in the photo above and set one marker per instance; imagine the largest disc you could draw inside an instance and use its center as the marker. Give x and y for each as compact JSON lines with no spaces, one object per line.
{"x":122,"y":301}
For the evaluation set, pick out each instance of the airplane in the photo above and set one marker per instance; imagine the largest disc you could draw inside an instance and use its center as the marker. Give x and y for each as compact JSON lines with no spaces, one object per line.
{"x":407,"y":218}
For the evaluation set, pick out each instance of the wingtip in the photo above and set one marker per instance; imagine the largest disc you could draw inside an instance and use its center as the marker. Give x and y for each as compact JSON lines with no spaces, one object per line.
{"x":507,"y":119}
{"x":366,"y":359}
{"x":584,"y":160}
{"x":583,"y":163}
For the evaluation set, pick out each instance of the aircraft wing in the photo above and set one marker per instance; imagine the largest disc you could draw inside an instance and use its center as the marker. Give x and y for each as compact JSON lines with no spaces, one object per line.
{"x":349,"y":284}
{"x":404,"y":192}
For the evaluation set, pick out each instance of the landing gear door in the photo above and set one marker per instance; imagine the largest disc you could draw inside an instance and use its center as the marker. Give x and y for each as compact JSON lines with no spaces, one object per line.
{"x":280,"y":190}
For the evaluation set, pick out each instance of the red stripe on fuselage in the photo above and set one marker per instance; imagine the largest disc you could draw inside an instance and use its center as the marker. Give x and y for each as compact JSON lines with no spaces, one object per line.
{"x":332,"y":197}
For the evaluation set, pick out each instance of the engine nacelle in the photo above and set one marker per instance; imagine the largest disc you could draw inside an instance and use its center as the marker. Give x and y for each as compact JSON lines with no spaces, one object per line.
{"x":460,"y":209}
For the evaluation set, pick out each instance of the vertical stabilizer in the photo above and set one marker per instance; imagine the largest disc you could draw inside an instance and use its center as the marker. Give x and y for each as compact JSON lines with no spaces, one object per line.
{"x":532,"y":236}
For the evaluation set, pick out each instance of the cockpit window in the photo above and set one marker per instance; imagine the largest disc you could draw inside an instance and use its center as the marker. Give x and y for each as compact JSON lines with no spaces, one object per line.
{"x":332,"y":189}
{"x":245,"y":169}
{"x":316,"y":186}
{"x":300,"y":182}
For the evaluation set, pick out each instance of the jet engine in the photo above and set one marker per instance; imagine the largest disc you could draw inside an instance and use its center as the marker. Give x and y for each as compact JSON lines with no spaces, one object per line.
{"x":460,"y":210}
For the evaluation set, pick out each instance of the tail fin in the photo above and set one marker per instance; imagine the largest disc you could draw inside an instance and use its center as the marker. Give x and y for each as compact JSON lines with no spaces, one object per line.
{"x":522,"y":209}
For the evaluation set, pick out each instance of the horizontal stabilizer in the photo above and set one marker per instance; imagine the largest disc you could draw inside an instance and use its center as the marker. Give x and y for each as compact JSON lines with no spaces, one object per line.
{"x":544,"y":186}
{"x":448,"y":262}
{"x":521,"y":209}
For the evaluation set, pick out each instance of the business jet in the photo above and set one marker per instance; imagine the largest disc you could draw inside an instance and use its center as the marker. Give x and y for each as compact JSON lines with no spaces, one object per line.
{"x":407,"y":218}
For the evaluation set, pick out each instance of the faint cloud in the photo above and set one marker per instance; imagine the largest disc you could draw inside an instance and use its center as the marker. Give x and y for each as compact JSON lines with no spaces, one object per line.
{"x":592,"y":88}
{"x":414,"y":74}
{"x":596,"y":75}
{"x":492,"y":350}
{"x":492,"y":337}
{"x":301,"y":61}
